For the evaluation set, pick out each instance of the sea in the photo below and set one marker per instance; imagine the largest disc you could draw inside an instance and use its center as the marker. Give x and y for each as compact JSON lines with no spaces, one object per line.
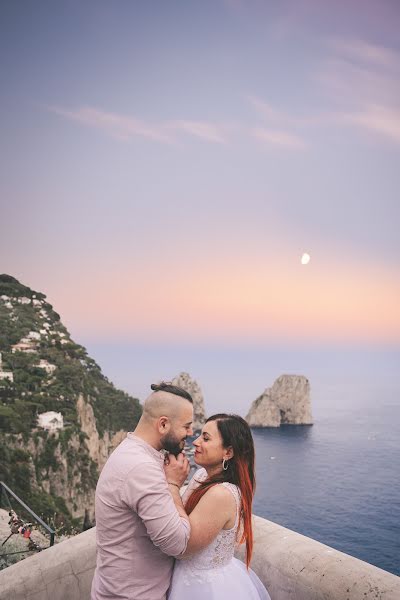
{"x":337,"y":481}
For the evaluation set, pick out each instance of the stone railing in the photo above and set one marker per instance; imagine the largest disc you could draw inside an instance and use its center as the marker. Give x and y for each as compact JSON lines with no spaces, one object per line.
{"x":291,"y":566}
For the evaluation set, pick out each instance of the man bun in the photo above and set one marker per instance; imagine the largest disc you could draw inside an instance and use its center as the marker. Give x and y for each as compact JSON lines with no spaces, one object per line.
{"x":167,"y":386}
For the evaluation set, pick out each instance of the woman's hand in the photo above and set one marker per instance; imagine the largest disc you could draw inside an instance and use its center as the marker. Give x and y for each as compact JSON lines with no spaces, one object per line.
{"x":176,"y":469}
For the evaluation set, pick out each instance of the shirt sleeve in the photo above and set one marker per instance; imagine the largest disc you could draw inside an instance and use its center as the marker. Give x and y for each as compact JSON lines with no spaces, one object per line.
{"x":146,"y":492}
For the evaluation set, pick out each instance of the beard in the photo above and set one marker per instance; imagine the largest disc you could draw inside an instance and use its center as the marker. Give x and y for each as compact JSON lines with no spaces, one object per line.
{"x":172,"y":444}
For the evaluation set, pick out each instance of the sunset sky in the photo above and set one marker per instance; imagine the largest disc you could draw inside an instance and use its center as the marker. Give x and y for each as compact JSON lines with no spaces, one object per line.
{"x":165,"y":165}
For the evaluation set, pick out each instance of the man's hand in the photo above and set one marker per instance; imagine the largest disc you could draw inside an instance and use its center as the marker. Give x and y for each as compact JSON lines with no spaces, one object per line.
{"x":176,"y":469}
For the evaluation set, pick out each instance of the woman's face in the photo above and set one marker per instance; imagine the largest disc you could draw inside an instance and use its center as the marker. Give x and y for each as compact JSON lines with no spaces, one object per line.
{"x":209,"y":451}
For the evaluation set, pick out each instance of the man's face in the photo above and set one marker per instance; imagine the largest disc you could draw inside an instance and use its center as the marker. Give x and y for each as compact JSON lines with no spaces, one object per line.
{"x":180,"y":428}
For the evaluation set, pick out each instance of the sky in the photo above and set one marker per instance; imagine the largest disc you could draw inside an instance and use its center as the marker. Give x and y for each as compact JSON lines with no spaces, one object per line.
{"x":164,"y":165}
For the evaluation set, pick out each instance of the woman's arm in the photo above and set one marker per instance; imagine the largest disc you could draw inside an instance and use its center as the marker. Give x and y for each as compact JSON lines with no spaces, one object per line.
{"x":196,"y":479}
{"x":214,"y":510}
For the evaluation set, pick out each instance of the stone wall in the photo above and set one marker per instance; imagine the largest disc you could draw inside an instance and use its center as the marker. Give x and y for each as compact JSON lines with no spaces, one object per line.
{"x":291,"y":566}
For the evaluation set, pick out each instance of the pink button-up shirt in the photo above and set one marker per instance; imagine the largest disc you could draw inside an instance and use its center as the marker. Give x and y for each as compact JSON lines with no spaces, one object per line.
{"x":138,"y":529}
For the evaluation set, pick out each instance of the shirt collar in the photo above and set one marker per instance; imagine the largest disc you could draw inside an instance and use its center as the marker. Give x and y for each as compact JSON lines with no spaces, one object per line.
{"x":159,"y":454}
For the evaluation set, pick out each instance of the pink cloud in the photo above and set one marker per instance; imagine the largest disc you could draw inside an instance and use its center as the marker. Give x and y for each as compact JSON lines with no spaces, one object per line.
{"x":364,"y":52}
{"x":363,"y":85}
{"x":268,"y":112}
{"x":380,"y":119}
{"x":363,"y":80}
{"x":348,"y":83}
{"x":125,"y":128}
{"x":206,"y":131}
{"x":118,"y":126}
{"x":275,"y":137}
{"x":280,"y":125}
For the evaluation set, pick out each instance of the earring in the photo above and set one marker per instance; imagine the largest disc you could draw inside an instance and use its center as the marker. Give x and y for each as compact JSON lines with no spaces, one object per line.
{"x":225,"y":464}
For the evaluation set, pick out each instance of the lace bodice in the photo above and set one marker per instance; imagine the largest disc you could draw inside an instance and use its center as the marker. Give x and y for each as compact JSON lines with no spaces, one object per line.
{"x":220,"y":551}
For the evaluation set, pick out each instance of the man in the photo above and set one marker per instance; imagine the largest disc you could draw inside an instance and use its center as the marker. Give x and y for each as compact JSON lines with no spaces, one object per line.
{"x":140,"y":520}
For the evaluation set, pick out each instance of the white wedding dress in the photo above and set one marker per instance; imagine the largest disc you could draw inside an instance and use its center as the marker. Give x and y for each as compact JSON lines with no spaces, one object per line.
{"x":213,"y":572}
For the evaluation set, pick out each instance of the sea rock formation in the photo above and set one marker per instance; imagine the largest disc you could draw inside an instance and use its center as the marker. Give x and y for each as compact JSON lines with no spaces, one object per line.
{"x":287,"y":402}
{"x":186,"y":382}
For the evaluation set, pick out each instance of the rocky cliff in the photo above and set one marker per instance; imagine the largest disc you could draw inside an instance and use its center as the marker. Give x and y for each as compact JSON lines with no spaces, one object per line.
{"x":43,"y":370}
{"x":184,"y":381}
{"x":286,"y":402}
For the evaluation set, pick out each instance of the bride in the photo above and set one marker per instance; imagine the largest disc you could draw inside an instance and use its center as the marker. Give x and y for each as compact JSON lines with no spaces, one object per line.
{"x":218,"y":501}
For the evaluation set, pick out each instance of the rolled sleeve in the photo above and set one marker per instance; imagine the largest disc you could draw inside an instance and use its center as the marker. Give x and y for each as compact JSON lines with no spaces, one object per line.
{"x":145,"y":491}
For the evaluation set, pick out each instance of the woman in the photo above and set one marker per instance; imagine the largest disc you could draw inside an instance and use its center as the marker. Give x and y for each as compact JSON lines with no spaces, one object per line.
{"x":218,"y":501}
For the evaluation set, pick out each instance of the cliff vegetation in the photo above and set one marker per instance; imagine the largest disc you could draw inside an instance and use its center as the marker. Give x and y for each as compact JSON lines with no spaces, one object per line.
{"x":42,"y":369}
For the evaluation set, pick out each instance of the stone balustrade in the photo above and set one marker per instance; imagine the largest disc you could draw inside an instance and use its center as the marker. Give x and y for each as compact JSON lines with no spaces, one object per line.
{"x":291,"y":566}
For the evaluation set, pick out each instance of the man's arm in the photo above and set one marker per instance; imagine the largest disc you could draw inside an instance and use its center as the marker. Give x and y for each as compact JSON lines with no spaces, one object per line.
{"x":177,"y":498}
{"x":176,"y":470}
{"x":146,"y":492}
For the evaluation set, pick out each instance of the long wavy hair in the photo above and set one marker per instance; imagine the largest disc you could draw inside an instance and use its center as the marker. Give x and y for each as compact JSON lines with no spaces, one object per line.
{"x":236,"y":433}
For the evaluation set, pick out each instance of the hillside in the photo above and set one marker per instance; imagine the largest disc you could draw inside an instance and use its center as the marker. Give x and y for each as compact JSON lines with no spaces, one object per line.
{"x":42,"y":369}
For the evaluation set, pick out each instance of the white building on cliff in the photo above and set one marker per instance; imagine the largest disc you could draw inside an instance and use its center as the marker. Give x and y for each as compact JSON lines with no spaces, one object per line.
{"x":51,"y":420}
{"x":48,"y":367}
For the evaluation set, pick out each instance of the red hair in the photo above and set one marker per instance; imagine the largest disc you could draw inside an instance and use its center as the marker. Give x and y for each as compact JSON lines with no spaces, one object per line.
{"x":235,"y":433}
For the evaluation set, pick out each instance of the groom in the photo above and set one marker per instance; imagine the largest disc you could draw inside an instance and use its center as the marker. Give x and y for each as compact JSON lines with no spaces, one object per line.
{"x":140,"y":520}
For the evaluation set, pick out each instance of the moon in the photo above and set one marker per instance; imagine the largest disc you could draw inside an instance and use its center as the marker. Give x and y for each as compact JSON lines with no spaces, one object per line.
{"x":305,"y":259}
